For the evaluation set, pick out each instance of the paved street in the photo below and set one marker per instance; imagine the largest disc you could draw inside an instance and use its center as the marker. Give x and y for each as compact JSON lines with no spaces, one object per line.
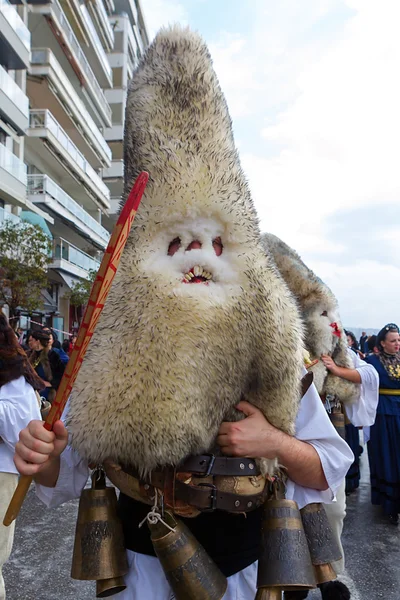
{"x":40,"y":563}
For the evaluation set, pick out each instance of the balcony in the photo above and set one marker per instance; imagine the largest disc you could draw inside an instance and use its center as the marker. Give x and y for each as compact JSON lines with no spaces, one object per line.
{"x":114,"y":177}
{"x":49,"y":86}
{"x":102,"y":24}
{"x":14,"y":105}
{"x":43,"y":191}
{"x":95,"y":52}
{"x":57,"y":153}
{"x":7,"y":216}
{"x":67,"y":257}
{"x":128,"y":7}
{"x":66,"y":37}
{"x":15,"y":39}
{"x":12,"y":177}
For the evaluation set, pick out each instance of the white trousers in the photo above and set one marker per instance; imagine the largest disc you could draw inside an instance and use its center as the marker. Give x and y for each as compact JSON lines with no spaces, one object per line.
{"x":146,"y":580}
{"x":336,"y":513}
{"x":8,"y":484}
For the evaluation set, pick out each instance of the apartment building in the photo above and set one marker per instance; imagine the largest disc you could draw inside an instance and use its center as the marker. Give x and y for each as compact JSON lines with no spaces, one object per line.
{"x":65,"y":81}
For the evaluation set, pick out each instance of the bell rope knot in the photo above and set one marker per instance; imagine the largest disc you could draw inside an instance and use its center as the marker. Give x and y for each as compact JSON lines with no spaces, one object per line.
{"x":154,"y":515}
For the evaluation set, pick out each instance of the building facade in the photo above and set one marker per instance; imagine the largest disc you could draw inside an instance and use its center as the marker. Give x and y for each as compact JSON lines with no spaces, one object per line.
{"x":64,"y":72}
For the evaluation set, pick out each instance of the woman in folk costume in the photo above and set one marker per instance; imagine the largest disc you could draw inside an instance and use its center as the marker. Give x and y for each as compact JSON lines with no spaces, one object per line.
{"x":383,"y":446}
{"x":18,"y":406}
{"x":340,"y":376}
{"x":212,"y":355}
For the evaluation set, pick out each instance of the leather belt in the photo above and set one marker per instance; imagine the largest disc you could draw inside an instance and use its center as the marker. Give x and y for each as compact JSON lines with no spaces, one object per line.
{"x":204,"y":496}
{"x":204,"y":465}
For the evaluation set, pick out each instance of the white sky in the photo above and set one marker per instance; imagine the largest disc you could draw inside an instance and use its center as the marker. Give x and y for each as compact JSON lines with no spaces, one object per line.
{"x":314,"y":92}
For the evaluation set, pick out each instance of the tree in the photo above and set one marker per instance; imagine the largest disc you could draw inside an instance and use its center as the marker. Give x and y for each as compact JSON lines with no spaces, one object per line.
{"x":25,"y":253}
{"x":80,"y":291}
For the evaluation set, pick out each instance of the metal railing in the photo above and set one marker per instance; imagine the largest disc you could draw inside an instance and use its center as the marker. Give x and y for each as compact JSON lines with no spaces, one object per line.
{"x":43,"y":119}
{"x":14,"y":92}
{"x":12,"y":164}
{"x":43,"y":184}
{"x":44,"y":56}
{"x":95,"y":40}
{"x":16,"y":23}
{"x":63,"y":250}
{"x":7,"y":216}
{"x":104,"y":20}
{"x":69,"y":34}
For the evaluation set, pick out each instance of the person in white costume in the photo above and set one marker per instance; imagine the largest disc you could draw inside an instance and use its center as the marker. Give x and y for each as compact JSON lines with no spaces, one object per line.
{"x":316,"y":460}
{"x":18,"y":406}
{"x":360,"y":413}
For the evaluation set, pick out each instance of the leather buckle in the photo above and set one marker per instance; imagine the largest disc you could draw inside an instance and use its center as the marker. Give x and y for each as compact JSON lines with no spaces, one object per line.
{"x":213,"y":505}
{"x":209,"y":467}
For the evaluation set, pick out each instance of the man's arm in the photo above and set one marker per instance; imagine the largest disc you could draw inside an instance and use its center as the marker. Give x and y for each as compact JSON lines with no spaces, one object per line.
{"x":255,"y":437}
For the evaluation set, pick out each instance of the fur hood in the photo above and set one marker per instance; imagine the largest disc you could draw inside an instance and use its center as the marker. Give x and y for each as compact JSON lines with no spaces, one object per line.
{"x":197,"y":317}
{"x":320,"y":312}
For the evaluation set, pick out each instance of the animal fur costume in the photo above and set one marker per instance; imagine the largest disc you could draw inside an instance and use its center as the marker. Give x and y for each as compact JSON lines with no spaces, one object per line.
{"x":320,"y":314}
{"x":185,"y":333}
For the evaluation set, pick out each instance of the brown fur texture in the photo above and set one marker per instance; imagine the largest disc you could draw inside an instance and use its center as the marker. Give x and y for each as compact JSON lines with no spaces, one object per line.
{"x":169,"y":361}
{"x":315,"y":299}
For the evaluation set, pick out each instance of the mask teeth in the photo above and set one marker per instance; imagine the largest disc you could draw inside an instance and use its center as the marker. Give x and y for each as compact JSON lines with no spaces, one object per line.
{"x":197,"y":271}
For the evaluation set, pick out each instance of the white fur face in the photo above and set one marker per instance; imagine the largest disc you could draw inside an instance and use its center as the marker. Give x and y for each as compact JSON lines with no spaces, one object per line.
{"x":195,"y":258}
{"x":323,"y":320}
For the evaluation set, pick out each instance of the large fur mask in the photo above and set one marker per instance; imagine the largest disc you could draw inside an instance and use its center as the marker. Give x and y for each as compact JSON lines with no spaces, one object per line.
{"x":324,"y":333}
{"x":198,"y":317}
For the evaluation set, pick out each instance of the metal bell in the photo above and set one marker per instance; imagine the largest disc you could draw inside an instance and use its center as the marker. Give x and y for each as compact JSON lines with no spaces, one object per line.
{"x":321,"y":541}
{"x":269,"y":594}
{"x":337,"y":420}
{"x":190,"y":572}
{"x":285,"y":562}
{"x":109,"y":587}
{"x":99,"y":551}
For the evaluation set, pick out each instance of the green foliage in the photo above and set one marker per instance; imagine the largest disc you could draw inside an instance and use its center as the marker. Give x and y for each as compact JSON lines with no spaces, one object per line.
{"x":80,"y":292}
{"x":25,"y":253}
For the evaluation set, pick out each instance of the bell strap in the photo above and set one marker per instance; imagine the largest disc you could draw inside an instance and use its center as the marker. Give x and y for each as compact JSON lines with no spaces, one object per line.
{"x":204,"y":465}
{"x":205,"y":496}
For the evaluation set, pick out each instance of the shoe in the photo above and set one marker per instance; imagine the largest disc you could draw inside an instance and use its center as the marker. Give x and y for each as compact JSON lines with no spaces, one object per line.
{"x":334,"y":590}
{"x":393,"y":519}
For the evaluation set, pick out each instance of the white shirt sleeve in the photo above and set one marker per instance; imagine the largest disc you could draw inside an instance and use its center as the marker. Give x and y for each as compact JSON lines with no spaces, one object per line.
{"x":18,"y":406}
{"x":362,"y":412}
{"x":314,"y":427}
{"x":74,"y":473}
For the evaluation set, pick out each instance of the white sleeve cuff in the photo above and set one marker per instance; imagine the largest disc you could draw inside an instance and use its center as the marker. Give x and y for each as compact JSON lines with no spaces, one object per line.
{"x":74,"y":473}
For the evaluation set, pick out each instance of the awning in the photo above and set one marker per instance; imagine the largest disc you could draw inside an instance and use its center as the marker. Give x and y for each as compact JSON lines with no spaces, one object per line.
{"x":35,"y":219}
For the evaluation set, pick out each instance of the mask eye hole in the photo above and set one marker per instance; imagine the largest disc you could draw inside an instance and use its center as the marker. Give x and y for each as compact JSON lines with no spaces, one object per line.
{"x":218,"y":246}
{"x":324,"y":314}
{"x":174,"y":246}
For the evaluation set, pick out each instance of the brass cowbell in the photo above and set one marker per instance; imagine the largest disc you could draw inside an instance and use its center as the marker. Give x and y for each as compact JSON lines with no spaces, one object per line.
{"x":99,"y":553}
{"x":190,"y":572}
{"x":284,"y":562}
{"x":321,"y":540}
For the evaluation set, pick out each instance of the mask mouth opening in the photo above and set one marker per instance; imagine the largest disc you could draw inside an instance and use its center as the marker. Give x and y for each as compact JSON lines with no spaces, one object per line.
{"x":197,"y":274}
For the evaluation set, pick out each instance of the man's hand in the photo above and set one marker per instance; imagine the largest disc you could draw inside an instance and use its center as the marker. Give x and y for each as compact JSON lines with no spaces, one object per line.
{"x":330,"y":364}
{"x":38,"y":449}
{"x":254,"y":437}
